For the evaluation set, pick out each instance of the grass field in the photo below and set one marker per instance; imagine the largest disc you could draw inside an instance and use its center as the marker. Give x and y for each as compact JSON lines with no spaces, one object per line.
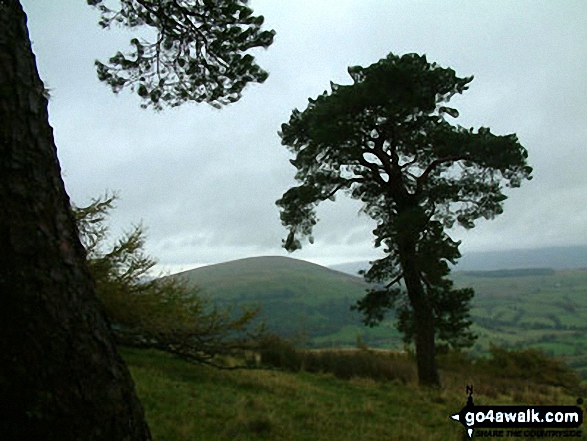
{"x":189,"y":402}
{"x":546,"y":311}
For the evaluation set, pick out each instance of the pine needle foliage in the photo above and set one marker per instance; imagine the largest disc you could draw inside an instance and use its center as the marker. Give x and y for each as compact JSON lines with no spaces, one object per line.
{"x":199,"y":51}
{"x":387,"y":141}
{"x":162,"y":313}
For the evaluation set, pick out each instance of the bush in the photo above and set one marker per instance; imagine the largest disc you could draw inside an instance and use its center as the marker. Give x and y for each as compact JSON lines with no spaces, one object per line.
{"x":363,"y":363}
{"x":345,"y":364}
{"x":454,"y":360}
{"x":280,"y":353}
{"x":531,"y":365}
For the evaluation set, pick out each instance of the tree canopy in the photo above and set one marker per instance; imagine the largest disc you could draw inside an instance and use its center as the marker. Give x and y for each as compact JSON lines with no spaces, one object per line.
{"x":386,"y":140}
{"x":199,"y":52}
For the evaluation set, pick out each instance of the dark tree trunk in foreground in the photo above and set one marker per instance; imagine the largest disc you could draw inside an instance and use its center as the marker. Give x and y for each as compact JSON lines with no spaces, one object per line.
{"x":60,"y":375}
{"x":424,"y":320}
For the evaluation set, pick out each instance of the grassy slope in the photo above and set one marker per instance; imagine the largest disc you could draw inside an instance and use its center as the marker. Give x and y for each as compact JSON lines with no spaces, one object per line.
{"x":276,"y":277}
{"x":187,"y":402}
{"x":296,"y":297}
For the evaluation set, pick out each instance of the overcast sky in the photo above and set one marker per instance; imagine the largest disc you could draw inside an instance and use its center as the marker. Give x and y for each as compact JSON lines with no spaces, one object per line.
{"x":204,"y":181}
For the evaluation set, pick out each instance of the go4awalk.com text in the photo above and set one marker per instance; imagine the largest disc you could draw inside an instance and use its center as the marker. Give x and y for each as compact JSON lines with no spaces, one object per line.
{"x":520,"y":421}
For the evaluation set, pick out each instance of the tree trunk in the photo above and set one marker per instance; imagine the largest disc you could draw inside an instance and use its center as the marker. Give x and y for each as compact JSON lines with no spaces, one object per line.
{"x":423,"y":314}
{"x":60,"y":375}
{"x":425,"y":346}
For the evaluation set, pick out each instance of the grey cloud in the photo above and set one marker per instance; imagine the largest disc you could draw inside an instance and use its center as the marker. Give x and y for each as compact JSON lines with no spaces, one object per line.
{"x":204,"y":182}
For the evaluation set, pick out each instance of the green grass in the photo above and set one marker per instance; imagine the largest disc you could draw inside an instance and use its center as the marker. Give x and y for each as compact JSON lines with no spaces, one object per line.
{"x":189,"y":402}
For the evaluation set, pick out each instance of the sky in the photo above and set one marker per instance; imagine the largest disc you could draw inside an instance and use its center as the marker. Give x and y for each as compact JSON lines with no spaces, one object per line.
{"x":204,"y":182}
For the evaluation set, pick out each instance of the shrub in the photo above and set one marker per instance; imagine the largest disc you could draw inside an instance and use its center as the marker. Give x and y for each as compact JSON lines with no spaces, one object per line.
{"x":364,"y":363}
{"x":345,"y":364}
{"x":454,"y":360}
{"x":531,"y":365}
{"x":280,"y":353}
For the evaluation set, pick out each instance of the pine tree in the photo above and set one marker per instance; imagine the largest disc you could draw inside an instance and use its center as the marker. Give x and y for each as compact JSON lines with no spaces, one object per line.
{"x":385,"y":140}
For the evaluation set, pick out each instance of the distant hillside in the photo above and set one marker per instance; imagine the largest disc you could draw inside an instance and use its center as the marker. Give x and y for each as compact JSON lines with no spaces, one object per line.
{"x":558,"y":258}
{"x":297,"y":297}
{"x":257,"y":278}
{"x":517,"y":308}
{"x":543,"y":309}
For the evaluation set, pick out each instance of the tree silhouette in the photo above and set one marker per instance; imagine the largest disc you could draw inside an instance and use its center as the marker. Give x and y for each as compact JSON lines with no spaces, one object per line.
{"x":385,"y":140}
{"x":199,"y":53}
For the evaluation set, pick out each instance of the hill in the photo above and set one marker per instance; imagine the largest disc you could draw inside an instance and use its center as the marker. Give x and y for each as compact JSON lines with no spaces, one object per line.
{"x":274,"y":277}
{"x":297,"y":297}
{"x":521,"y":308}
{"x":540,"y":308}
{"x":558,"y":258}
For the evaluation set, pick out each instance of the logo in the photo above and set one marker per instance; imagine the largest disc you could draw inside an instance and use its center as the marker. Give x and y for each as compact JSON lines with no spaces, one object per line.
{"x":529,"y":421}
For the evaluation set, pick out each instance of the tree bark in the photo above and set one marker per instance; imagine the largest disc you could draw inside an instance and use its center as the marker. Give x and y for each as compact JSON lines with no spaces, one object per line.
{"x":423,"y":314}
{"x":61,"y":377}
{"x":424,"y":319}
